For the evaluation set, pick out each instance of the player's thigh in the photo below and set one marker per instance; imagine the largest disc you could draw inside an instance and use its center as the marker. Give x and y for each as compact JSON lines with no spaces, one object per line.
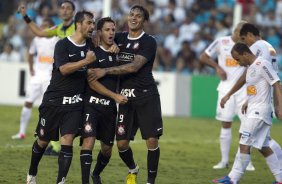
{"x":33,"y":92}
{"x":227,"y":113}
{"x":107,"y":125}
{"x":149,"y":118}
{"x":89,"y":122}
{"x":255,"y":132}
{"x":126,"y":127}
{"x":70,"y":122}
{"x":48,"y":124}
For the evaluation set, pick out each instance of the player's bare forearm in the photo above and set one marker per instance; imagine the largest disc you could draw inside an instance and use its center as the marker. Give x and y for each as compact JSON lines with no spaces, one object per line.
{"x":37,"y":30}
{"x":277,"y":94}
{"x":73,"y":67}
{"x":101,"y":89}
{"x":205,"y":59}
{"x":30,"y":63}
{"x":132,"y":67}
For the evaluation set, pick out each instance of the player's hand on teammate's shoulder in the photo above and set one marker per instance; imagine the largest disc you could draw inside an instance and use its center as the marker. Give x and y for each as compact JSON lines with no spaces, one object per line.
{"x":90,"y":56}
{"x":22,"y":10}
{"x":221,"y":73}
{"x":121,"y":99}
{"x":114,"y":49}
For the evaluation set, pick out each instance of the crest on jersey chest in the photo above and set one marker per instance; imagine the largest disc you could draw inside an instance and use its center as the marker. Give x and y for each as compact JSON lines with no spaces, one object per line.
{"x":110,"y":58}
{"x":82,"y":53}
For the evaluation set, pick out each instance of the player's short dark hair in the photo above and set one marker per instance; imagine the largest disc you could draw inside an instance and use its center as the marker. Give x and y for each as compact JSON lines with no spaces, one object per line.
{"x":249,"y":28}
{"x":102,"y":21}
{"x":145,"y":12}
{"x":241,"y":48}
{"x":80,"y":16}
{"x":70,"y":2}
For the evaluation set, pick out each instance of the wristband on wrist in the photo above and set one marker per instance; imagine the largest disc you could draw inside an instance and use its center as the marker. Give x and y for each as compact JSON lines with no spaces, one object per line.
{"x":27,"y":19}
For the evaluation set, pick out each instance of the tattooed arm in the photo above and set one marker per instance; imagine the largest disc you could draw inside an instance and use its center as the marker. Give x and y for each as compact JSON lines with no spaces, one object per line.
{"x":132,"y":67}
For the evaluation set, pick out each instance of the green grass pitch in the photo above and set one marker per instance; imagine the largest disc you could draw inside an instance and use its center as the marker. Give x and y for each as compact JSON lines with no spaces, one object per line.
{"x":189,"y":149}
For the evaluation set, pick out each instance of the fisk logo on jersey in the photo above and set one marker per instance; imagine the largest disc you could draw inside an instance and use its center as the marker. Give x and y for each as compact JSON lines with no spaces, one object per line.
{"x":123,"y":56}
{"x":99,"y":101}
{"x":128,"y":92}
{"x":72,"y":100}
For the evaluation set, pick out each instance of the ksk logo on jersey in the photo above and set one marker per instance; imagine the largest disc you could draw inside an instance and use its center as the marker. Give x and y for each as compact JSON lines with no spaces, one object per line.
{"x":110,"y":58}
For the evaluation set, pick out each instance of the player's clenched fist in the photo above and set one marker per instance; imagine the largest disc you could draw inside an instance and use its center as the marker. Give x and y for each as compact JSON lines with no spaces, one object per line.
{"x":90,"y":56}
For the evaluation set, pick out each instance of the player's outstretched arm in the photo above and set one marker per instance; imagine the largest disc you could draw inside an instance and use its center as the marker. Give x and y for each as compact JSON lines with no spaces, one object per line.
{"x":74,"y":66}
{"x":277,"y":94}
{"x":33,"y":27}
{"x":101,"y":89}
{"x":207,"y":60}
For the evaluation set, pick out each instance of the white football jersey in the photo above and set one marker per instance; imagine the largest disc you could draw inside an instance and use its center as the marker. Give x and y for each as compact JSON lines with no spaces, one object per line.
{"x":259,"y":80}
{"x":262,"y":48}
{"x":222,"y":48}
{"x":43,"y":49}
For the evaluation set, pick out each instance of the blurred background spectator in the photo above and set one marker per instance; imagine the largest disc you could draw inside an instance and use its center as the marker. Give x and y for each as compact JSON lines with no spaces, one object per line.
{"x":182,"y":28}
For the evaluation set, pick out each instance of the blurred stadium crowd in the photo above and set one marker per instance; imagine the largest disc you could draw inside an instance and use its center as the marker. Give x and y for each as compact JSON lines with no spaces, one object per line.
{"x":182,"y":28}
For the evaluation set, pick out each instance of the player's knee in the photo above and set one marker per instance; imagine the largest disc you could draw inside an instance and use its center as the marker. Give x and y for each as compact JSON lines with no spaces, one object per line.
{"x":88,"y":143}
{"x":106,"y":150}
{"x":42,"y":144}
{"x":28,"y":104}
{"x":67,"y":139}
{"x":266,"y":151}
{"x":152,"y":143}
{"x":122,"y":145}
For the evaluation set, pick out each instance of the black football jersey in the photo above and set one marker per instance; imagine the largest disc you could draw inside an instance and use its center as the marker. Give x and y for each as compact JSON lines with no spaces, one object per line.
{"x":141,"y":83}
{"x":104,"y":59}
{"x":67,"y":90}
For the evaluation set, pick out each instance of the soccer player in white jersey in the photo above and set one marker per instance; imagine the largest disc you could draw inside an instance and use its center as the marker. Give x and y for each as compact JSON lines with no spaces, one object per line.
{"x":250,"y":36}
{"x":40,"y":62}
{"x":260,"y":79}
{"x":229,"y":72}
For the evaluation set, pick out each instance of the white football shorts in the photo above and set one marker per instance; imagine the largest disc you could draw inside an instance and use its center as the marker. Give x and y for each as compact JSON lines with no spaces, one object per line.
{"x":255,"y":132}
{"x":232,"y":106}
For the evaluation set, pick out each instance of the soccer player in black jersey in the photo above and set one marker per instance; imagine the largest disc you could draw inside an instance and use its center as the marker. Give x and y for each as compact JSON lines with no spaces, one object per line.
{"x":143,"y":109}
{"x":62,"y":104}
{"x":100,"y":109}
